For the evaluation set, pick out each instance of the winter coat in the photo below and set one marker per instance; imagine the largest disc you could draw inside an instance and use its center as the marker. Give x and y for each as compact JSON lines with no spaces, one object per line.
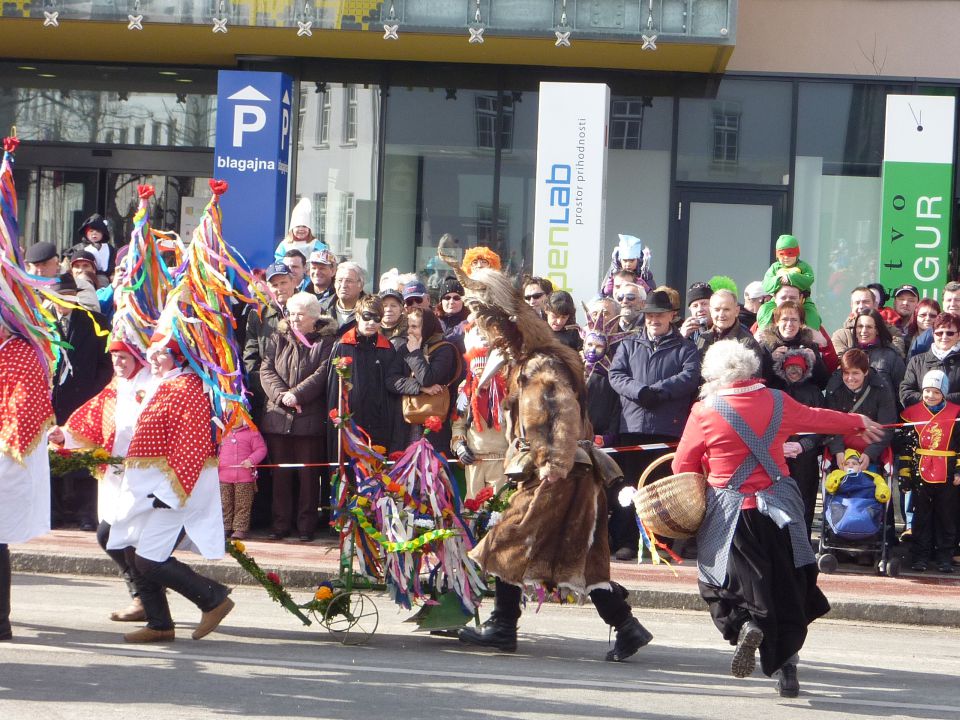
{"x":887,"y":363}
{"x":657,"y":383}
{"x":880,"y":405}
{"x":770,"y":339}
{"x":260,"y":328}
{"x":436,"y":362}
{"x":603,"y":407}
{"x":570,"y":336}
{"x":740,"y":334}
{"x":96,"y":222}
{"x":919,"y":366}
{"x":378,"y":381}
{"x":844,"y":339}
{"x":290,"y":366}
{"x":453,"y":328}
{"x":244,"y":443}
{"x":91,"y":367}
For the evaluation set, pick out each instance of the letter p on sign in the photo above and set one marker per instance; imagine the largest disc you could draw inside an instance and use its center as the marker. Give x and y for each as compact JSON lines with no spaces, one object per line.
{"x":247,"y":119}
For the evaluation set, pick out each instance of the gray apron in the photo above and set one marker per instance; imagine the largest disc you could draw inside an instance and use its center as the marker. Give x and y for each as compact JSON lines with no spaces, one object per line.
{"x":781,"y":502}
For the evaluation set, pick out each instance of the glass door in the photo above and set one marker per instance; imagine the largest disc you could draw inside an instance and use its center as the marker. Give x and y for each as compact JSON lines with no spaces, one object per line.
{"x":724,"y":232}
{"x":66,"y":199}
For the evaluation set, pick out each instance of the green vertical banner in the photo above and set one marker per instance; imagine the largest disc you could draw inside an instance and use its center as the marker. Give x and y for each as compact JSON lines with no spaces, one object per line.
{"x":917,"y":192}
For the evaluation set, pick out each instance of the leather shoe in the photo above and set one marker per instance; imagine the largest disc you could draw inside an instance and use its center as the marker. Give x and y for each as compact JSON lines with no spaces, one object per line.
{"x":919,"y":565}
{"x":787,"y":684}
{"x":133,"y":613}
{"x":239,"y":535}
{"x":6,"y":632}
{"x":631,"y":636}
{"x":212,"y":618}
{"x":625,"y":553}
{"x":945,"y":567}
{"x":149,"y":635}
{"x":277,"y":535}
{"x":306,"y":538}
{"x":494,"y":633}
{"x":745,"y":656}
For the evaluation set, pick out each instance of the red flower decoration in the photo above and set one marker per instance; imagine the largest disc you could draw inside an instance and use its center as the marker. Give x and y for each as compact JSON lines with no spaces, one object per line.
{"x":274,"y":578}
{"x":471,"y":504}
{"x":334,"y":414}
{"x":484,"y":494}
{"x":10,"y":144}
{"x":145,"y":192}
{"x":394,"y":456}
{"x":433,"y":424}
{"x":219,"y":187}
{"x":347,"y":360}
{"x":64,"y":452}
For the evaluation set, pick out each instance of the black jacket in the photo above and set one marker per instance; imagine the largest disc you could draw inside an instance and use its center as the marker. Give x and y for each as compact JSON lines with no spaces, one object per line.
{"x":919,"y":366}
{"x":91,"y":367}
{"x":880,"y":404}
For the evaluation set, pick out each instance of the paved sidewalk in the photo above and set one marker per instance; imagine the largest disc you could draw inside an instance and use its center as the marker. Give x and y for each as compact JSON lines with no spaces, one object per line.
{"x":856,"y":593}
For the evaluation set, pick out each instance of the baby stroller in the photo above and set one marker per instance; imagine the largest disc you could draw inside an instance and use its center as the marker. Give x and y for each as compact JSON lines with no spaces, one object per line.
{"x":854,"y":521}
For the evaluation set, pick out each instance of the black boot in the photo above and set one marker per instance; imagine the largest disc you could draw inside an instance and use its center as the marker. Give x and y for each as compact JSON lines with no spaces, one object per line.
{"x":787,"y":684}
{"x":496,"y":633}
{"x":6,"y":633}
{"x":631,"y":636}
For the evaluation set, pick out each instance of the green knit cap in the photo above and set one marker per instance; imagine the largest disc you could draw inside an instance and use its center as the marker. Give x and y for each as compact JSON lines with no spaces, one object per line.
{"x":787,"y":242}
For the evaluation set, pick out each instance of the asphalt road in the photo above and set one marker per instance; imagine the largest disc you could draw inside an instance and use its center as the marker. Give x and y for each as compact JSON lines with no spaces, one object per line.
{"x":68,"y":661}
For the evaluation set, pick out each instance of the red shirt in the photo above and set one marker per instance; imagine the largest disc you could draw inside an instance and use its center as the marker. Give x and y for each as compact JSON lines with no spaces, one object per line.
{"x":709,"y":442}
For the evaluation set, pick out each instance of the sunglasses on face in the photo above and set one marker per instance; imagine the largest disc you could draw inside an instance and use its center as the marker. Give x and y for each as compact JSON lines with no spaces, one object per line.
{"x":451,"y":298}
{"x":370,"y":317}
{"x":534,"y":296}
{"x":413,"y":301}
{"x":629,"y":297}
{"x":945,"y":333}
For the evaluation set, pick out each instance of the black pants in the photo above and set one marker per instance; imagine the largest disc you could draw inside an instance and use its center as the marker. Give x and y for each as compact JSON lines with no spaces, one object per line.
{"x":73,"y":498}
{"x":623,"y":520}
{"x":295,"y":449}
{"x":611,"y":605}
{"x":118,"y":556}
{"x":934,"y":521}
{"x":4,"y":591}
{"x":805,"y":471}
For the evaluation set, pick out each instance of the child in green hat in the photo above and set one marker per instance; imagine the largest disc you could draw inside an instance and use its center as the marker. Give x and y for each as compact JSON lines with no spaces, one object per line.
{"x":788,"y":269}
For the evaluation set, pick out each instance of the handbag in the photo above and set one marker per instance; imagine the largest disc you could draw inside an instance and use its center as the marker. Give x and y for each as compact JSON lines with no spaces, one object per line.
{"x":417,"y":408}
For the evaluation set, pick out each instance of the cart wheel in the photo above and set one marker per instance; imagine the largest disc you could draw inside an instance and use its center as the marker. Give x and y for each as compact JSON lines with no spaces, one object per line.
{"x":827,"y":563}
{"x":893,"y":567}
{"x":351,"y":617}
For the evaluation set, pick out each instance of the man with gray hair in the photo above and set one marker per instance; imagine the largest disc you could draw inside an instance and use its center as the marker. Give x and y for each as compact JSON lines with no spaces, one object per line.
{"x":631,"y":298}
{"x":348,"y":284}
{"x":724,"y":311}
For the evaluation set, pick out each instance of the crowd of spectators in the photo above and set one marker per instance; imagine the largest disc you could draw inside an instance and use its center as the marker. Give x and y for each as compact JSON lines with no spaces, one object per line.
{"x":407,"y":340}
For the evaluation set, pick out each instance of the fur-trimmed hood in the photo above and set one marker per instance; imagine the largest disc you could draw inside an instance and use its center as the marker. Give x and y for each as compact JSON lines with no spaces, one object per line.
{"x":770,"y":339}
{"x":808,"y":355}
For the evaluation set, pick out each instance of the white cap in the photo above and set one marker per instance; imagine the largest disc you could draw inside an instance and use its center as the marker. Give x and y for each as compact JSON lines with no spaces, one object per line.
{"x":754,"y":290}
{"x":302,"y":214}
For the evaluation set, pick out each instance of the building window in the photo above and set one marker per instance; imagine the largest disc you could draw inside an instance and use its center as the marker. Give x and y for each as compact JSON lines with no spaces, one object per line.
{"x":486,"y":114}
{"x":626,"y":122}
{"x":322,"y":136}
{"x":172,"y":132}
{"x":726,"y":133}
{"x":348,"y":216}
{"x":320,"y":216}
{"x":350,"y":115}
{"x":485,"y":233}
{"x":301,"y":115}
{"x":157,"y":132}
{"x":138,"y":133}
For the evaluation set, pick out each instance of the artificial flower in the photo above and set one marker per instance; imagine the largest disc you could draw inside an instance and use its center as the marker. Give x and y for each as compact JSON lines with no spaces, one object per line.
{"x":274,"y":578}
{"x":432,"y":424}
{"x":239,"y":546}
{"x":471,"y":504}
{"x":145,"y":192}
{"x":323,"y":593}
{"x":100,"y":454}
{"x":219,"y":187}
{"x":493,"y":519}
{"x":485,"y":494}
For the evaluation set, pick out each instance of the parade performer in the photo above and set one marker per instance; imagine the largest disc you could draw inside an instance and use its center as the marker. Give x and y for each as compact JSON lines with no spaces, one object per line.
{"x":757,"y":571}
{"x":107,"y":421}
{"x":479,"y":429}
{"x":553,"y":534}
{"x":27,"y":357}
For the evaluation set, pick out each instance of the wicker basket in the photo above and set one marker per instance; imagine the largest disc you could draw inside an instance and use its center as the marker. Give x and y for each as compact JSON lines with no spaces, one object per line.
{"x":673,"y":506}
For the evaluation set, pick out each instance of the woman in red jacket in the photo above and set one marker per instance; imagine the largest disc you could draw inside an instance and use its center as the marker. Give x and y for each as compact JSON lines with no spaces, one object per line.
{"x":757,"y":571}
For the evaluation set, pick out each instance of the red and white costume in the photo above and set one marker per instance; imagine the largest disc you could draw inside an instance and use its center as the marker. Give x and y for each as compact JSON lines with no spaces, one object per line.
{"x":26,"y":415}
{"x":171,"y":458}
{"x":107,"y":421}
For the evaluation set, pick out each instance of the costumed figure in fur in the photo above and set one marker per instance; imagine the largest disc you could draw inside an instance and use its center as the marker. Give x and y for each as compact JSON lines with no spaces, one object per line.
{"x":553,"y":534}
{"x":480,"y":430}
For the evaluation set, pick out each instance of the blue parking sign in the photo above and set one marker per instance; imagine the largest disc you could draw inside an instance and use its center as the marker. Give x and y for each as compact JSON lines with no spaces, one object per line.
{"x":253,"y":155}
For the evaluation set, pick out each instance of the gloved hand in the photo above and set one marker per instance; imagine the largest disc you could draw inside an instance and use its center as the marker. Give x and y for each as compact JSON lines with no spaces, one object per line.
{"x":463,"y":402}
{"x":158,"y":503}
{"x":464,"y":454}
{"x":649,"y":397}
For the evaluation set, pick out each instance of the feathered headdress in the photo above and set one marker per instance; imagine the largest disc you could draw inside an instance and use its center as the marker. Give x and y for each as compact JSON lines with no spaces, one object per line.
{"x":199,"y":314}
{"x":21,"y":310}
{"x":145,"y":281}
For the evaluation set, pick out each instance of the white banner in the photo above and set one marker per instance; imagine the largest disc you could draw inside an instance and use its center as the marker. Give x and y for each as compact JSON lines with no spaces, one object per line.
{"x":571,"y":186}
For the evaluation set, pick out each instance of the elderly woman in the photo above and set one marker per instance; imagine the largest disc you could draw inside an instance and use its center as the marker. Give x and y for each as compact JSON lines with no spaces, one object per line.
{"x":170,"y":492}
{"x":942,"y":355}
{"x":757,"y":571}
{"x":377,"y":379}
{"x":432,"y":366}
{"x":294,"y":379}
{"x":870,"y":334}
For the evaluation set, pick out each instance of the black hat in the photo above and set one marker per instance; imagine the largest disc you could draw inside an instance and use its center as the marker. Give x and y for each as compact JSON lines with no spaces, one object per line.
{"x":658,"y":301}
{"x":880,"y":292}
{"x":699,"y":291}
{"x":912,"y":289}
{"x":450,"y":284}
{"x":40,"y":252}
{"x":391,"y":293}
{"x":95,"y":222}
{"x":66,"y":284}
{"x":83,"y":256}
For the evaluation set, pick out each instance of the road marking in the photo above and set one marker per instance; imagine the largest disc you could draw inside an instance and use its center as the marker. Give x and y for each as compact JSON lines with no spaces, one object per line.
{"x":659,"y":686}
